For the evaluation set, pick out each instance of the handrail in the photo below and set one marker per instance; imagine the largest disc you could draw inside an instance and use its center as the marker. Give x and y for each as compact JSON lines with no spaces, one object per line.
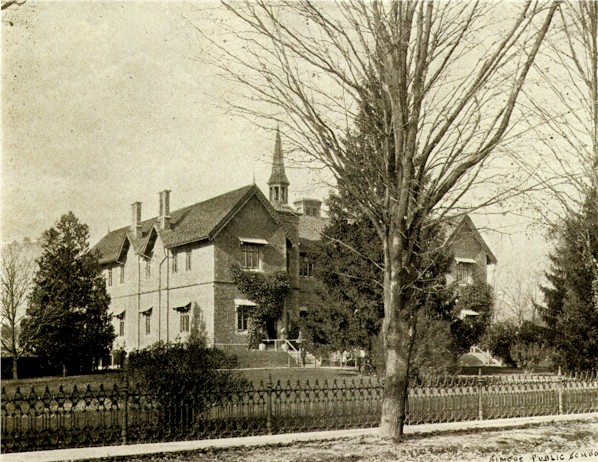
{"x":278,"y":342}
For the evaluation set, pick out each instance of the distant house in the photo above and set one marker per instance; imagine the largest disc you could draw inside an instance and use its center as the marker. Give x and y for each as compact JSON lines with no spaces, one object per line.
{"x":472,"y":256}
{"x":166,"y":273}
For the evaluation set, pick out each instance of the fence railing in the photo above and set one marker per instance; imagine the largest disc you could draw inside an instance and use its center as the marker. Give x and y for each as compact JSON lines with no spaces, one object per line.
{"x":33,"y":420}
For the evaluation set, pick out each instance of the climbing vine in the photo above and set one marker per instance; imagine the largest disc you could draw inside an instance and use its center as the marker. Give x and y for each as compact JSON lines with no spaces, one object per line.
{"x":268,"y":291}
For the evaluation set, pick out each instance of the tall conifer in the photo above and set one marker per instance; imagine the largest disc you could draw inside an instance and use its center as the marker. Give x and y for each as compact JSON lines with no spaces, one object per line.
{"x":67,"y":321}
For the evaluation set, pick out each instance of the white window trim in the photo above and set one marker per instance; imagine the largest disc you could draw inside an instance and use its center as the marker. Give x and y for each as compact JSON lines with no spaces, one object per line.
{"x":260,"y":255}
{"x":465,"y":260}
{"x":253,"y":240}
{"x":239,"y":303}
{"x":464,"y":313}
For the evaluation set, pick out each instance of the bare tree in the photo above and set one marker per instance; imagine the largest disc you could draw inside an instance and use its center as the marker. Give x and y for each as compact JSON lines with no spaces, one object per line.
{"x":15,"y":283}
{"x":519,"y":289}
{"x":565,"y":121}
{"x":434,"y":87}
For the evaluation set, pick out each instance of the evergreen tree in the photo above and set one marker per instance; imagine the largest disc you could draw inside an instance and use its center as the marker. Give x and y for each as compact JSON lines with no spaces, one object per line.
{"x":67,"y":321}
{"x":349,"y":266}
{"x":570,"y":311}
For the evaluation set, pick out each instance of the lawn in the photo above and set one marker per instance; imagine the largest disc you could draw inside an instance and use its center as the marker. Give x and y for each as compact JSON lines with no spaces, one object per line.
{"x":109,"y":378}
{"x":295,"y":374}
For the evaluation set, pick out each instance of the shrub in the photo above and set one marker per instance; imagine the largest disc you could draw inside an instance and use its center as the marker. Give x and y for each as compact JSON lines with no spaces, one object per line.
{"x":525,"y":346}
{"x":499,"y":338}
{"x":184,"y":375}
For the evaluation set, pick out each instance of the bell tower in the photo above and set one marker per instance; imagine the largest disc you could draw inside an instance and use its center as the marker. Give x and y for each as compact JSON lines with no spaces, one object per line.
{"x":278,"y":182}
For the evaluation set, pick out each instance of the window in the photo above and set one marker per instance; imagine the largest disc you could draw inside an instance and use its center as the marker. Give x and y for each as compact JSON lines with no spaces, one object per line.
{"x":121,"y":323}
{"x":243,"y":308}
{"x":148,"y":322}
{"x":251,"y":256}
{"x":306,"y":266}
{"x":109,"y":276}
{"x":122,"y":274}
{"x":242,"y":318}
{"x":148,"y":268}
{"x":184,"y":317}
{"x":464,"y":273}
{"x":188,"y":260}
{"x":175,"y":262}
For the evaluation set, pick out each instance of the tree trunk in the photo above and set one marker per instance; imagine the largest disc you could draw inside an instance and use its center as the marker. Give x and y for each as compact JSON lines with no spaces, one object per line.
{"x":395,"y":390}
{"x":398,"y":340}
{"x":15,"y":367}
{"x":64,"y":371}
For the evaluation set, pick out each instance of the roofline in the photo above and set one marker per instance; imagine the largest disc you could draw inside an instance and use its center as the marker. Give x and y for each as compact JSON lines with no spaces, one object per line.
{"x":467,"y":220}
{"x":200,"y":239}
{"x":252,"y":191}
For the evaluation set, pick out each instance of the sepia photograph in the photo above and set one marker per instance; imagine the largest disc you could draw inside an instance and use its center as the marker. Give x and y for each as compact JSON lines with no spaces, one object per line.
{"x":294,"y":230}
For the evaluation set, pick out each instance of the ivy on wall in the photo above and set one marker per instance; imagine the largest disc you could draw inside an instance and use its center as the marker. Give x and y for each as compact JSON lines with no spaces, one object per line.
{"x":268,"y":291}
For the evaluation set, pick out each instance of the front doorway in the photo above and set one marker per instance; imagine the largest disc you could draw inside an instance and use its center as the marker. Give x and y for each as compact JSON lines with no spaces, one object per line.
{"x":271,"y":329}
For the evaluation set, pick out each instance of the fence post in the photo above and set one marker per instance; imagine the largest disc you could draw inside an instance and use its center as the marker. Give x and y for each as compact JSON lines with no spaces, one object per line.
{"x":269,"y":406}
{"x":480,"y":396}
{"x":125,"y":423}
{"x":560,"y":391}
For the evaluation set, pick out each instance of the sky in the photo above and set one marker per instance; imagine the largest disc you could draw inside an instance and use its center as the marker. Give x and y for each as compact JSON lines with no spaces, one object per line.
{"x":105,"y":104}
{"x":108,"y":103}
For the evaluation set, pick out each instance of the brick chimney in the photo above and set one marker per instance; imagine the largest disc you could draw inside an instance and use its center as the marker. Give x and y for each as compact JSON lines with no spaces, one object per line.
{"x":136,"y":219}
{"x":164,"y":217}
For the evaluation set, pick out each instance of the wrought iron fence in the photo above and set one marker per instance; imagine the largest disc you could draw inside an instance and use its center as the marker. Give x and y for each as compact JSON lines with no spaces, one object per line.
{"x":124,"y":414}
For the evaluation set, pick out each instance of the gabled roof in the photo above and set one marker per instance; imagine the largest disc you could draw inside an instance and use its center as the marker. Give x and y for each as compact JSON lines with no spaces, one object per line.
{"x":457,"y":225}
{"x":198,"y":222}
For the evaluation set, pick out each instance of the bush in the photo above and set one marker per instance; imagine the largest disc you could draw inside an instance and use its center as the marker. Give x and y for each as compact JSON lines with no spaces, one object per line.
{"x":184,"y":375}
{"x":525,"y":346}
{"x":499,"y":338}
